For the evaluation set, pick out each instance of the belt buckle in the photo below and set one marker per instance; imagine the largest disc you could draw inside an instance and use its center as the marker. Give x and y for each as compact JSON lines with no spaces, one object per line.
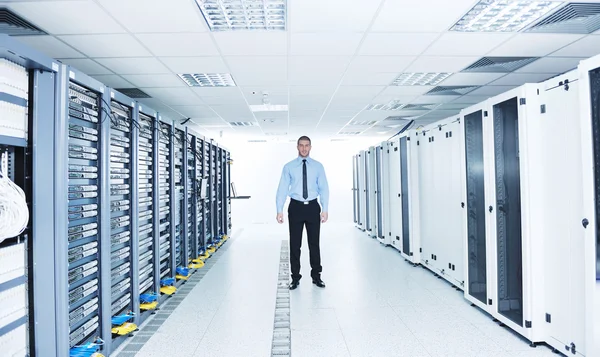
{"x":305,"y":202}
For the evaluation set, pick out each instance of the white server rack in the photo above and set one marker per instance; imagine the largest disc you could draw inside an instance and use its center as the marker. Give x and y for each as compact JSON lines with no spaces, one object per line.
{"x":363,"y":204}
{"x":394,"y":195}
{"x":356,"y":191}
{"x":440,"y":209}
{"x":410,"y":245}
{"x":589,"y":103}
{"x":384,"y":194}
{"x":372,"y":191}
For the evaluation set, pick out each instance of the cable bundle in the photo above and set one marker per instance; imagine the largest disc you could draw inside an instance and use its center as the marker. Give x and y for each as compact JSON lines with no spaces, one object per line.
{"x":14,"y":213}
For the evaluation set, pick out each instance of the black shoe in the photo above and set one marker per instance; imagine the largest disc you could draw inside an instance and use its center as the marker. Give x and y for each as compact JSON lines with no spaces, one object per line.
{"x":294,"y":284}
{"x":318,"y":282}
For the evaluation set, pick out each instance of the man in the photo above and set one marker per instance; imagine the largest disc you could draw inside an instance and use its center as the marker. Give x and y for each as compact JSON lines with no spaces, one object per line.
{"x":303,"y":179}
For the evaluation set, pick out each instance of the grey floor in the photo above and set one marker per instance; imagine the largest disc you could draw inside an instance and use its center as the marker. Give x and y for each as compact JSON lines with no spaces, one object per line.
{"x":375,"y":304}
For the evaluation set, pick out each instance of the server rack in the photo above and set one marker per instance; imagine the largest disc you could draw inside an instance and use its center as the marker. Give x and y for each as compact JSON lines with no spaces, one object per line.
{"x":123,"y":197}
{"x":166,"y":189}
{"x":385,"y":229}
{"x":355,"y":191}
{"x":371,"y":192}
{"x":82,"y":260}
{"x":32,"y":83}
{"x":226,"y":203}
{"x":441,"y":227}
{"x":180,"y":197}
{"x":191,"y":189}
{"x":362,"y":184}
{"x":200,"y":182}
{"x":377,"y":170}
{"x":212,"y":213}
{"x":409,"y":197}
{"x":394,"y":195}
{"x":589,"y":102}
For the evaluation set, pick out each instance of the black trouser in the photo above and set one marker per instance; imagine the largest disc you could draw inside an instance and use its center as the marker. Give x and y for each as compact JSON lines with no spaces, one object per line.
{"x":300,"y":214}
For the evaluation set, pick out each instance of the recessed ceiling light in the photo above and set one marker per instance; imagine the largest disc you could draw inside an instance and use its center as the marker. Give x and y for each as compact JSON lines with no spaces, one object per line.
{"x":365,"y":123}
{"x":269,"y":108}
{"x":241,"y":123}
{"x":349,"y":133}
{"x":208,"y":79}
{"x":392,"y":105}
{"x":503,"y":15}
{"x":232,"y":15}
{"x":420,"y":79}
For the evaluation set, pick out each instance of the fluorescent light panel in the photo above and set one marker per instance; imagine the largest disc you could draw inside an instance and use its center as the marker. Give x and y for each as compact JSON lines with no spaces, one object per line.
{"x":232,"y":15}
{"x":269,"y":108}
{"x":208,"y":79}
{"x":420,"y":79}
{"x":392,"y":105}
{"x":503,"y":15}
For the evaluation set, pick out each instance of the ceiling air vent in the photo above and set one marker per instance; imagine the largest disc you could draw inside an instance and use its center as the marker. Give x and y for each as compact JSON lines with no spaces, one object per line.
{"x":14,"y":25}
{"x":398,"y":118}
{"x":241,"y":123}
{"x":365,"y":123}
{"x":499,"y":64}
{"x":451,"y":90}
{"x":420,"y":106}
{"x":575,"y":18}
{"x":349,"y":133}
{"x":133,"y":92}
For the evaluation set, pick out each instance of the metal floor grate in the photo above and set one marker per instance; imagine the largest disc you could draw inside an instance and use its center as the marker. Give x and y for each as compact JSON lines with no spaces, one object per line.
{"x":282,"y":335}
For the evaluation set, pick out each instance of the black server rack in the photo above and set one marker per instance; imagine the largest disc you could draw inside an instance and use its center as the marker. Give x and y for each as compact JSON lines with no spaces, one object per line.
{"x":86,"y":192}
{"x":206,"y":198}
{"x":179,"y":198}
{"x":191,"y":197}
{"x":199,"y":204}
{"x":213,"y":197}
{"x":166,"y":232}
{"x":122,"y":207}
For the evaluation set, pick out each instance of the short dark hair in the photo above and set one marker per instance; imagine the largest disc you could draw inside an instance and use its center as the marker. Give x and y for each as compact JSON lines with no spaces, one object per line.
{"x":304,"y":137}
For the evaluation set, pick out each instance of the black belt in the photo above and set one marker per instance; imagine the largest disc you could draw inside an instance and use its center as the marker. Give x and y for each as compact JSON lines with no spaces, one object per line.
{"x":304,"y":202}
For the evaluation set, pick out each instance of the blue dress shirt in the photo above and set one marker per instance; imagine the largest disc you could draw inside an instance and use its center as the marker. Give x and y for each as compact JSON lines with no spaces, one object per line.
{"x":290,"y":183}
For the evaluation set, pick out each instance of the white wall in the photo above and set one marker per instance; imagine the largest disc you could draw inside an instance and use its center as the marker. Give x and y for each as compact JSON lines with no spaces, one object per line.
{"x":256,"y":170}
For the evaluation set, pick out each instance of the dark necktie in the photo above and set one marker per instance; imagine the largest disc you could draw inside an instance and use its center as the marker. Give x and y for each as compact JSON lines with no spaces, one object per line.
{"x":304,"y":180}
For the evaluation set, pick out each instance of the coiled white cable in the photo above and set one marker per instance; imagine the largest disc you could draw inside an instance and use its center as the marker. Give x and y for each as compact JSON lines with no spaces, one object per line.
{"x":14,"y":213}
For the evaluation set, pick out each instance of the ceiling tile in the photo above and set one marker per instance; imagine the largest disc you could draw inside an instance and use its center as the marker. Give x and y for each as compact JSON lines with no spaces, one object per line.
{"x":50,"y":46}
{"x":465,"y":44}
{"x":331,"y":15}
{"x":307,"y":90}
{"x":362,"y":92}
{"x":323,"y":44}
{"x":315,"y":70}
{"x":399,"y":44}
{"x":517,"y":79}
{"x":387,"y":97}
{"x":112,"y":80}
{"x":586,"y":47}
{"x":533,"y":44}
{"x":67,"y":17}
{"x":427,"y":64}
{"x":234,"y":112}
{"x":406,"y":90}
{"x":157,"y":16}
{"x":155,"y":80}
{"x":263,"y":70}
{"x":195,"y":110}
{"x":368,"y":78}
{"x":459,"y":79}
{"x":253,"y":43}
{"x":171,"y":92}
{"x":433,"y":99}
{"x":470,"y":99}
{"x":86,"y":66}
{"x":551,"y":65}
{"x":417,"y":16}
{"x":107,"y":45}
{"x":179,"y":44}
{"x":212,"y":64}
{"x":491,"y":90}
{"x":143,"y":65}
{"x":380,"y":63}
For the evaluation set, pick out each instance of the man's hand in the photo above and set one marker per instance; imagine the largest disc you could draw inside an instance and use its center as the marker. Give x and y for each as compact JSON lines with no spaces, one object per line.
{"x":324,"y":217}
{"x":279,"y":218}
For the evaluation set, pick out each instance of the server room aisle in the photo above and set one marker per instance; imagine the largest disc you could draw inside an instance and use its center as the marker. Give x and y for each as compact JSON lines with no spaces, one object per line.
{"x":375,"y":304}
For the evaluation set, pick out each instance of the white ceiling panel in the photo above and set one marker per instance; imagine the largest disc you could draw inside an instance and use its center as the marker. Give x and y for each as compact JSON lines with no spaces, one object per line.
{"x":465,"y":44}
{"x":517,"y":79}
{"x":420,"y":16}
{"x":142,"y":65}
{"x":491,"y":90}
{"x":347,"y":104}
{"x":305,"y":113}
{"x":112,"y":80}
{"x":331,"y":15}
{"x":433,"y":99}
{"x":586,"y":47}
{"x":470,"y":99}
{"x":156,"y":16}
{"x":217,"y":91}
{"x":397,"y":44}
{"x":234,"y":112}
{"x":555,"y":65}
{"x":367,"y":78}
{"x":179,"y":44}
{"x":314,"y":91}
{"x":406,"y":90}
{"x":50,"y":46}
{"x":213,"y":64}
{"x":362,"y":92}
{"x":156,"y":80}
{"x":253,"y":43}
{"x":67,"y":17}
{"x":427,"y":64}
{"x":258,"y":70}
{"x":195,"y":110}
{"x":323,"y":44}
{"x":87,"y":66}
{"x":387,"y":97}
{"x":459,"y":79}
{"x":274,"y":99}
{"x":534,"y":44}
{"x":236,"y":99}
{"x":107,"y":45}
{"x":172,"y":93}
{"x":380,"y":63}
{"x":315,"y":70}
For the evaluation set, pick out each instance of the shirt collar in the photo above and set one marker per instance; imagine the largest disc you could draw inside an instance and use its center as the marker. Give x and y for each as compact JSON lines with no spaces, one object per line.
{"x":300,"y":158}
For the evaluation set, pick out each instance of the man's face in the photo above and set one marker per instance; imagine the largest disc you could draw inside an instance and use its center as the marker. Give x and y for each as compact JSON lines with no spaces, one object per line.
{"x":304,"y":148}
